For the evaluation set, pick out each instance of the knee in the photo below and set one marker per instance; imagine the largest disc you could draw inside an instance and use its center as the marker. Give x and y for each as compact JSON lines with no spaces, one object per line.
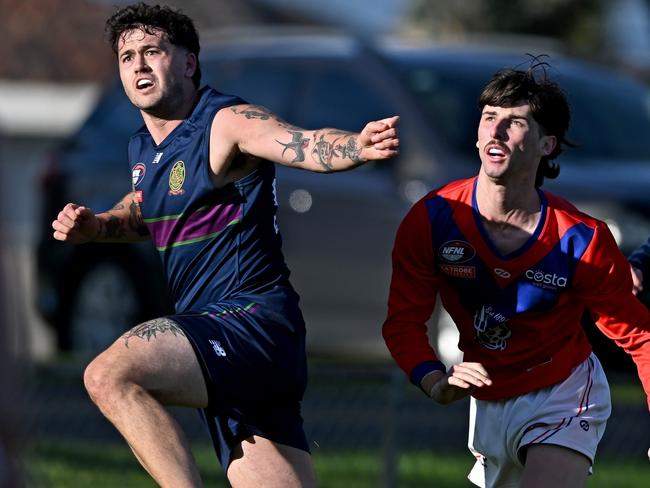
{"x":103,"y":382}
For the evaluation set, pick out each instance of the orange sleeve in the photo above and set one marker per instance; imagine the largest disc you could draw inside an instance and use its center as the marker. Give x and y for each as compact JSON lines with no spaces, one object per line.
{"x":604,"y":281}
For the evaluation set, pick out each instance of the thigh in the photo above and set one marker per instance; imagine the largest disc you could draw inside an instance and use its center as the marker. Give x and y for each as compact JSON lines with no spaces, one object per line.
{"x":572,"y":414}
{"x":157,"y":356}
{"x":493,"y":467}
{"x":556,"y":466}
{"x":257,"y":461}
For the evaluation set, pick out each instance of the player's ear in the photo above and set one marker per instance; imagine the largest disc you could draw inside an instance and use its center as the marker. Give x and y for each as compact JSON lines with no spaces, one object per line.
{"x":190,"y":64}
{"x":547,"y":144}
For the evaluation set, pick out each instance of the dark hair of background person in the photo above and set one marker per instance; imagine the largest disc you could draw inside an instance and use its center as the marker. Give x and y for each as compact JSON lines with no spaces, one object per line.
{"x":178,"y":28}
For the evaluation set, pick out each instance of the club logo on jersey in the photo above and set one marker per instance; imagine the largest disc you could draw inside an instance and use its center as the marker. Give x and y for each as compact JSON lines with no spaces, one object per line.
{"x":502,"y":273}
{"x":137,"y":174}
{"x":492,"y":329}
{"x":456,"y":252}
{"x":177,"y":178}
{"x":548,"y":281}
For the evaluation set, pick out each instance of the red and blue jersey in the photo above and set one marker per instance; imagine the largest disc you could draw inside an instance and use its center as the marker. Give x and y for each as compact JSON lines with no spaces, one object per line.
{"x":518,"y":314}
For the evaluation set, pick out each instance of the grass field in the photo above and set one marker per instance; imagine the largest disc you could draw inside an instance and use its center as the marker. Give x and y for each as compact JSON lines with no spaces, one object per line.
{"x":65,"y":450}
{"x":54,"y":464}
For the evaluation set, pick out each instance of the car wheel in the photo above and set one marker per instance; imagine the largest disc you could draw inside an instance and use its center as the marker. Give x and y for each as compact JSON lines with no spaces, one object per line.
{"x":105,"y":304}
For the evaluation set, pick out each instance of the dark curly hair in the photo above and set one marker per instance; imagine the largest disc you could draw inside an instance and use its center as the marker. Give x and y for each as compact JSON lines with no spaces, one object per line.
{"x":548,"y":105}
{"x":177,"y":26}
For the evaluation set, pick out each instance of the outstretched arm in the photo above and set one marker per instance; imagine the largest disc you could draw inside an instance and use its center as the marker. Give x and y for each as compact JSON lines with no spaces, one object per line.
{"x":258,"y":132}
{"x":77,"y":224}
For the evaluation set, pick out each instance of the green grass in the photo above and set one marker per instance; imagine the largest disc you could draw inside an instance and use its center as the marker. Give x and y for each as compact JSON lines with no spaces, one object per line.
{"x":69,"y":464}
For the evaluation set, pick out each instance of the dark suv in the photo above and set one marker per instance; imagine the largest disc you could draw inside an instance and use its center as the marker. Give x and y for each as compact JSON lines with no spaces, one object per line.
{"x":338,"y":229}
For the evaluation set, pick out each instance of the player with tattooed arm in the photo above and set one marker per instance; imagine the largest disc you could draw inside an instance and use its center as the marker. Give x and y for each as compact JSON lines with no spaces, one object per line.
{"x":204,"y":193}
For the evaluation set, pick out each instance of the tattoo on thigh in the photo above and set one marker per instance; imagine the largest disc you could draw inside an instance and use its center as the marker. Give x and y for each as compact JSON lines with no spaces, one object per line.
{"x":150,"y":329}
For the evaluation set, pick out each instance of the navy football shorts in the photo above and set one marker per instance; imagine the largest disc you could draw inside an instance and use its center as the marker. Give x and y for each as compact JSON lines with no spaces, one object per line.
{"x":255,"y":368}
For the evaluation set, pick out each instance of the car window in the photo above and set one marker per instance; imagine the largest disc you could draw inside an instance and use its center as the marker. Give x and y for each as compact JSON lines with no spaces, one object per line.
{"x":608,"y":121}
{"x":610,"y":115}
{"x":272,"y":84}
{"x":102,"y":140}
{"x":448,"y":96}
{"x":341,"y":97}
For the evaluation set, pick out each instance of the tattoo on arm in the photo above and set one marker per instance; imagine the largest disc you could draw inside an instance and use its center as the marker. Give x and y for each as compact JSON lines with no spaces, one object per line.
{"x":323,"y":153}
{"x":261,"y":113}
{"x":149,"y":330}
{"x":349,"y":150}
{"x":297,"y":144}
{"x":324,"y":150}
{"x":341,"y":144}
{"x":135,"y":220}
{"x":253,"y":113}
{"x":113,"y":228}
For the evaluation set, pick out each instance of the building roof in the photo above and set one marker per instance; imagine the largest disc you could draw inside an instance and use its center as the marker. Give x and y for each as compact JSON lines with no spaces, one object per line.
{"x":63,"y":40}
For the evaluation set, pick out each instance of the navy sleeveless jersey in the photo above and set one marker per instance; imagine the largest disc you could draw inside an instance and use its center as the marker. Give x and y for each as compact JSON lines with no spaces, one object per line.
{"x":215,"y":244}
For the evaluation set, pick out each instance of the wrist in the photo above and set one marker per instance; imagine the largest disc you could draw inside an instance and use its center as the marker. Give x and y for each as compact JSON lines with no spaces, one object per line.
{"x":430,"y":380}
{"x":98,"y":233}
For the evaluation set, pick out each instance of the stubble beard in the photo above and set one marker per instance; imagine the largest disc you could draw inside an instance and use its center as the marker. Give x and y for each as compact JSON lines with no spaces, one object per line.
{"x":157,"y":104}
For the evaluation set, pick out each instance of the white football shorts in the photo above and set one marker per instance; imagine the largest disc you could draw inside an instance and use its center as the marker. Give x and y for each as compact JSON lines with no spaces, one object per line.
{"x":572,"y":414}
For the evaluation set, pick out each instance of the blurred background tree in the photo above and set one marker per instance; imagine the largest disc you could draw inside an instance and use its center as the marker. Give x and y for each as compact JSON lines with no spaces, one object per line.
{"x":577,"y":24}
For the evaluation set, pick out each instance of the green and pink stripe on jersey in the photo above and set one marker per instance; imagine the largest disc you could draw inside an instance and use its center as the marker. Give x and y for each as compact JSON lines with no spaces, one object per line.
{"x":202,"y":224}
{"x":235,"y":310}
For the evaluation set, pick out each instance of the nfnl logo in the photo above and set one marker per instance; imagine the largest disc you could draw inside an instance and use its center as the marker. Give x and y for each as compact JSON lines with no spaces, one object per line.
{"x":216,"y":345}
{"x":456,"y":252}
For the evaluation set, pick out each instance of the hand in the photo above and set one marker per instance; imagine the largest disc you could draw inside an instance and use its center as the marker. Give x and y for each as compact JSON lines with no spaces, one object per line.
{"x":379,"y":139}
{"x":459,"y":382}
{"x":75,"y":224}
{"x":637,"y":280}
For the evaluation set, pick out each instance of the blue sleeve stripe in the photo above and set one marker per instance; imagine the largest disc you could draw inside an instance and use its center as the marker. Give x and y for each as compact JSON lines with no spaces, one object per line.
{"x":423,"y":369}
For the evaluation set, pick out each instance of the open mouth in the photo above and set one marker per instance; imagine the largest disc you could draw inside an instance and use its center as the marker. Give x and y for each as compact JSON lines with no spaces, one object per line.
{"x":144,"y":83}
{"x":496,"y":152}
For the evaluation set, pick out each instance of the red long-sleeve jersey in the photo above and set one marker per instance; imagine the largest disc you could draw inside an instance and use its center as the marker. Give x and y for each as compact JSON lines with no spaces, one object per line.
{"x":519,"y":315}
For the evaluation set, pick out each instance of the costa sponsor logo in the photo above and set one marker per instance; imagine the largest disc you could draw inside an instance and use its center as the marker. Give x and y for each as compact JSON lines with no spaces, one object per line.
{"x":458,"y":271}
{"x":456,"y":252}
{"x":137,"y":174}
{"x":547,"y":280}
